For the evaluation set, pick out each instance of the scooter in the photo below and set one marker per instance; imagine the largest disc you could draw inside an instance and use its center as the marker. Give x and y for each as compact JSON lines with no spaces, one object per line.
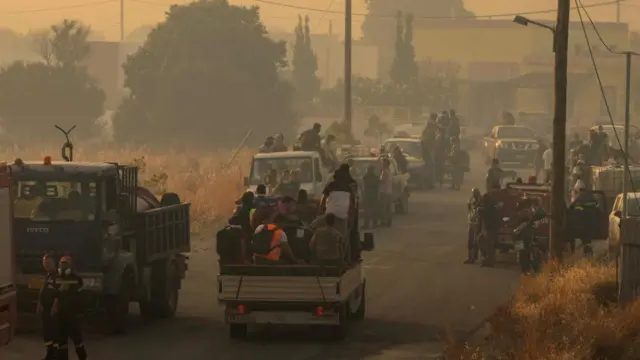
{"x":531,"y":253}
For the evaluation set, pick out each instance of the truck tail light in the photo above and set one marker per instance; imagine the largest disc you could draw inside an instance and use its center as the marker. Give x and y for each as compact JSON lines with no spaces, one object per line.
{"x":241,"y":309}
{"x":319,"y":311}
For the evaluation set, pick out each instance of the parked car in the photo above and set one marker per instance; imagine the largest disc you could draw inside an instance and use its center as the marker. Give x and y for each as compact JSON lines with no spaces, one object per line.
{"x":633,"y":210}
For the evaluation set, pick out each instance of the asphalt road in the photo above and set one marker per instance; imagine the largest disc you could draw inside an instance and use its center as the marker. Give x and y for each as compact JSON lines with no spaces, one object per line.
{"x":419,"y":293}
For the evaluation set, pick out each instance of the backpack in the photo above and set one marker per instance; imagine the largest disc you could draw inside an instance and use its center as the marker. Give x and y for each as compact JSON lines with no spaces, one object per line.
{"x":228,"y":242}
{"x":261,"y":242}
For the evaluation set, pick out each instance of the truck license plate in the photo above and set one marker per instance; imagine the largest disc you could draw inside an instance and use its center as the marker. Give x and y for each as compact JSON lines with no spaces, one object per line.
{"x":518,"y":245}
{"x":237,"y":318}
{"x":36,"y":283}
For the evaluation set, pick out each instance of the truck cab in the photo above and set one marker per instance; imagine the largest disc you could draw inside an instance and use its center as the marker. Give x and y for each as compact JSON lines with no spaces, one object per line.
{"x":313,"y":175}
{"x":8,"y":307}
{"x":513,"y":145}
{"x":125,"y":244}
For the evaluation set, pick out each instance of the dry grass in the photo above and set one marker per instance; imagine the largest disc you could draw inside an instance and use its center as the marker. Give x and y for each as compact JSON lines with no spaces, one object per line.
{"x":201,"y":178}
{"x":563,"y":314}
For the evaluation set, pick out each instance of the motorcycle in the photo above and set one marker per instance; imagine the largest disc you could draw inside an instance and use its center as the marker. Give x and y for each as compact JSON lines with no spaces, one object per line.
{"x":530,"y":248}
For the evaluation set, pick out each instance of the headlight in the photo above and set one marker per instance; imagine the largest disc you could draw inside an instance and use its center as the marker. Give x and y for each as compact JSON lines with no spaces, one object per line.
{"x":92,"y":283}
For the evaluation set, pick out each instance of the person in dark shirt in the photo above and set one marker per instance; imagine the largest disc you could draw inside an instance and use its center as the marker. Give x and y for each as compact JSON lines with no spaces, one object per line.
{"x":370,"y":196}
{"x":46,"y":299}
{"x":242,"y":216}
{"x":475,"y":226}
{"x":400,"y":159}
{"x":306,"y":210}
{"x":584,"y":215}
{"x":310,"y":140}
{"x":490,"y":218}
{"x":68,"y":309}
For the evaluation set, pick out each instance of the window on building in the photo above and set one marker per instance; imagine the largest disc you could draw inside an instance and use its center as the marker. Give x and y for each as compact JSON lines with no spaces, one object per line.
{"x":610,"y":94}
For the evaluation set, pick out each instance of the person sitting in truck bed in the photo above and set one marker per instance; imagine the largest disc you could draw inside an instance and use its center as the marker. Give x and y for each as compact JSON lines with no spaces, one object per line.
{"x":339,"y":195}
{"x":305,"y":209}
{"x":270,"y":246}
{"x":328,"y":246}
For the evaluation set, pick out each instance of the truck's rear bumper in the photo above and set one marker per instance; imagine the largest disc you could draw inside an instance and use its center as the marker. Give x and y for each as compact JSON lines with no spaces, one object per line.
{"x":281,"y":318}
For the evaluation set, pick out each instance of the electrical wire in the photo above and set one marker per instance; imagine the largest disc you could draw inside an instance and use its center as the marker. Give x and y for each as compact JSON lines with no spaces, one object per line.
{"x":63,"y":7}
{"x":533,"y":12}
{"x":325,"y":12}
{"x":581,"y":8}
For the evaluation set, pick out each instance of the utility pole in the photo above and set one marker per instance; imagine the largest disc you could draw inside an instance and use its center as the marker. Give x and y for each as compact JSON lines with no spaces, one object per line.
{"x":347,"y":67}
{"x":121,"y":20}
{"x":558,"y":202}
{"x":329,"y":44}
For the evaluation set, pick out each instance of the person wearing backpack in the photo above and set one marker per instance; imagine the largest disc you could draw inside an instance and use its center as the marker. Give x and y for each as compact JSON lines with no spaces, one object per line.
{"x":271,"y":246}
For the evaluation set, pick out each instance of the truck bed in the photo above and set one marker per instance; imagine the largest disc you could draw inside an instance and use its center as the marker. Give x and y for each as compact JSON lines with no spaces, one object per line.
{"x":163,"y":231}
{"x":304,"y":283}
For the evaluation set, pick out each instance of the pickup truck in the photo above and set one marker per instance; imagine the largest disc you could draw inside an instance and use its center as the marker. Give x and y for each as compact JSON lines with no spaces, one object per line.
{"x":307,"y":294}
{"x":8,"y":306}
{"x":514,"y":146}
{"x":313,"y":176}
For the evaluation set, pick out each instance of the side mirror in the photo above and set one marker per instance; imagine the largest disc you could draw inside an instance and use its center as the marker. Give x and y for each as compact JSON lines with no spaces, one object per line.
{"x":110,"y":218}
{"x":618,"y":214}
{"x":246,"y":181}
{"x":368,"y":243}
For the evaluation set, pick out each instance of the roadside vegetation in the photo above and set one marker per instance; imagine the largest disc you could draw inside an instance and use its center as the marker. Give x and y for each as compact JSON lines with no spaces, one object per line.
{"x":205,"y":179}
{"x":562,"y":314}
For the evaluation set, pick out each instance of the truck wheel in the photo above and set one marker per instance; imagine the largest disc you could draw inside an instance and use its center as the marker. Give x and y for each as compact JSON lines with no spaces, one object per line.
{"x":360,"y":313}
{"x":118,"y":306}
{"x":165,"y":289}
{"x":339,"y":332}
{"x":238,"y":331}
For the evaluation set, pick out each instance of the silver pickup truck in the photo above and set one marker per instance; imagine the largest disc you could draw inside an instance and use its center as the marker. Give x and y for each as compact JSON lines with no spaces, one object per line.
{"x":292,"y":295}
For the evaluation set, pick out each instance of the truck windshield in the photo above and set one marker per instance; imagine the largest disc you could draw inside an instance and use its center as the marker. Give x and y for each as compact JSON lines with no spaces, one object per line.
{"x":515,"y":132}
{"x":261,"y":169}
{"x":41,"y":200}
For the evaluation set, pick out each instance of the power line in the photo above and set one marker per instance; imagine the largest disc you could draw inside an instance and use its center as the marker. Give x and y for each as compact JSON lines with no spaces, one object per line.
{"x":297,"y":7}
{"x":64,"y":7}
{"x":325,"y":11}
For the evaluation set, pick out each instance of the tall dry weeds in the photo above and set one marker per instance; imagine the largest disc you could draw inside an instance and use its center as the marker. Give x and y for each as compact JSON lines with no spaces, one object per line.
{"x":205,"y":179}
{"x":563,"y":314}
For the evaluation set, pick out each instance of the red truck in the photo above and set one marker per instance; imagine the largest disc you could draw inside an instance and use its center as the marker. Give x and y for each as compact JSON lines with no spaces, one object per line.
{"x":8,"y":307}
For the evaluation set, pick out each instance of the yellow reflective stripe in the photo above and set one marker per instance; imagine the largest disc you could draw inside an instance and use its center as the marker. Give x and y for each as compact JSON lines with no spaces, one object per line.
{"x":251,"y":212}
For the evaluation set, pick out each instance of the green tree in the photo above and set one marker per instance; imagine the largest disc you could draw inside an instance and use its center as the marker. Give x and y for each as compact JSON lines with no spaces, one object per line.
{"x":305,"y":63}
{"x":64,"y":44}
{"x":36,"y":96}
{"x":404,"y":70}
{"x":205,"y":75}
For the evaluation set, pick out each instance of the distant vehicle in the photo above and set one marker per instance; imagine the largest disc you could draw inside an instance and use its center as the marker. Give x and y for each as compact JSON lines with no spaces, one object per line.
{"x":359,"y":167}
{"x":126,"y":245}
{"x":411,"y":130}
{"x":513,"y":145}
{"x":412,"y":149}
{"x":633,"y":210}
{"x":8,"y":300}
{"x":313,"y":175}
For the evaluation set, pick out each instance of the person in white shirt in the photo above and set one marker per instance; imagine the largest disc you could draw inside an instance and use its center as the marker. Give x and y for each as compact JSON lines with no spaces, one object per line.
{"x":329,"y":148}
{"x":386,"y":192}
{"x":547,"y":160}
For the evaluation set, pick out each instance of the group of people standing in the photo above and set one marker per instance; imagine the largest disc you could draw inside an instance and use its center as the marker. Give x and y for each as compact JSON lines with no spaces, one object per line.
{"x":441,"y":141}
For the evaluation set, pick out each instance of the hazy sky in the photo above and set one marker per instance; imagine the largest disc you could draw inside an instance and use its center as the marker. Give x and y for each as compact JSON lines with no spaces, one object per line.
{"x":104,"y":15}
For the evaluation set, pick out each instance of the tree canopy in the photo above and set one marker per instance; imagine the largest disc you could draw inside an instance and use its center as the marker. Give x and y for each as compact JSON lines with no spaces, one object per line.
{"x":404,"y":70}
{"x":305,"y":63}
{"x":56,"y":90}
{"x":205,"y":75}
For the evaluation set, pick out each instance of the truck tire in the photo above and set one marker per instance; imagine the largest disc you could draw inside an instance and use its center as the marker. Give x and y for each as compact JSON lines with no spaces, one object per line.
{"x":118,"y":305}
{"x":362,"y":309}
{"x":339,"y":332}
{"x":165,"y":288}
{"x":238,"y":331}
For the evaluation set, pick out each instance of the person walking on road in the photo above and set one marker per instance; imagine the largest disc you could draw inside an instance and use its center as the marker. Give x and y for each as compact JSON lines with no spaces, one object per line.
{"x":473,"y":207}
{"x":68,"y":311}
{"x":370,"y":198}
{"x":46,"y":301}
{"x":490,"y":219}
{"x":386,"y":192}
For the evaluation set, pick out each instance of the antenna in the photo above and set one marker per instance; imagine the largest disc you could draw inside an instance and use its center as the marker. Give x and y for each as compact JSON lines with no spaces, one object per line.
{"x":67,"y":146}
